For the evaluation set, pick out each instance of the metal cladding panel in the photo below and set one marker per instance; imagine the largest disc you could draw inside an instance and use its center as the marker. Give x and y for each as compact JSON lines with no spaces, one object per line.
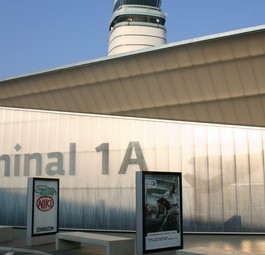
{"x":169,"y":82}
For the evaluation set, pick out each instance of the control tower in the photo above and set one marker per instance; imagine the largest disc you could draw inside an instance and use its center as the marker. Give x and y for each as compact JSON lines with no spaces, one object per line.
{"x":136,"y":24}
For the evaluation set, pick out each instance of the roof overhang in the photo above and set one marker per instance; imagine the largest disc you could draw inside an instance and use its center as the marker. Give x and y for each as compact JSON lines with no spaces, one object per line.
{"x":215,"y":79}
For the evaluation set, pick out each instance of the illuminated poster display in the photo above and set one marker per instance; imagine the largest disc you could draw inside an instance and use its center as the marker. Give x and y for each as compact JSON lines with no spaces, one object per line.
{"x":43,"y":206}
{"x":159,"y":211}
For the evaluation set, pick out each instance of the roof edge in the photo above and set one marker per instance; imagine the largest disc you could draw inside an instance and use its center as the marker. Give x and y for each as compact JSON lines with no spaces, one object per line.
{"x":217,"y":36}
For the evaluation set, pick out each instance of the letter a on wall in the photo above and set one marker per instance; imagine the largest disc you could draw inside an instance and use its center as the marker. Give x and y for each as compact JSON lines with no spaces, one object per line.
{"x":42,"y":206}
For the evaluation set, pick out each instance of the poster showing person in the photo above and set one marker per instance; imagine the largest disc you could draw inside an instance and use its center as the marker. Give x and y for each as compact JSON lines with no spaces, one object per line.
{"x":161,"y":211}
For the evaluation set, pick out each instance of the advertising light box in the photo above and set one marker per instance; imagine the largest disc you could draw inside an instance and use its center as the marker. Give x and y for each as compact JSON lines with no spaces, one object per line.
{"x":43,"y":206}
{"x":159,"y":212}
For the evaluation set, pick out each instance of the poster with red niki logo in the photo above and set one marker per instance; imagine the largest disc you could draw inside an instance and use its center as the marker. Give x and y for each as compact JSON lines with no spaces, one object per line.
{"x":45,"y":205}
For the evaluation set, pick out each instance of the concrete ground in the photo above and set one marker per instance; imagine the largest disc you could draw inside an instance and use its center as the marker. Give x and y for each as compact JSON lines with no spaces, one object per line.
{"x":193,"y":244}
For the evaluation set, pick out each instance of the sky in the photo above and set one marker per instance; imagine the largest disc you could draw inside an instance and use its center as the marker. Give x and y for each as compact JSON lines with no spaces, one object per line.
{"x":37,"y":35}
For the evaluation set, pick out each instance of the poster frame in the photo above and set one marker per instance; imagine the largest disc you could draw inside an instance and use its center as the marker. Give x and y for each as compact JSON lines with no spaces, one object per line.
{"x":31,"y":206}
{"x":141,"y":220}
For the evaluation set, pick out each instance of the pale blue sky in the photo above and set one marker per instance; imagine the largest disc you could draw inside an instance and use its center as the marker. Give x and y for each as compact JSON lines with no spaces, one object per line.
{"x":41,"y":34}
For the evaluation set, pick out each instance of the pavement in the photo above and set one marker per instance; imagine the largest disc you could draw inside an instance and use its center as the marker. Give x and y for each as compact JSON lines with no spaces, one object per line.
{"x":206,"y":244}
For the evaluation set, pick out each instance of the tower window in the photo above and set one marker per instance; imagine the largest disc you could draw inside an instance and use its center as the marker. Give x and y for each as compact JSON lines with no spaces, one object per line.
{"x":137,"y":18}
{"x":153,"y":3}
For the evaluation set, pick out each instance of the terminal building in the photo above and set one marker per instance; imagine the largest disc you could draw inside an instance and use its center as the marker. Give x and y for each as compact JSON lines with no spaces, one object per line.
{"x":195,"y":106}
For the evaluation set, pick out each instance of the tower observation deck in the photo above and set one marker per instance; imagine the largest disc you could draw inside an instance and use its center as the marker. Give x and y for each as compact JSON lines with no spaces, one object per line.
{"x":136,"y":24}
